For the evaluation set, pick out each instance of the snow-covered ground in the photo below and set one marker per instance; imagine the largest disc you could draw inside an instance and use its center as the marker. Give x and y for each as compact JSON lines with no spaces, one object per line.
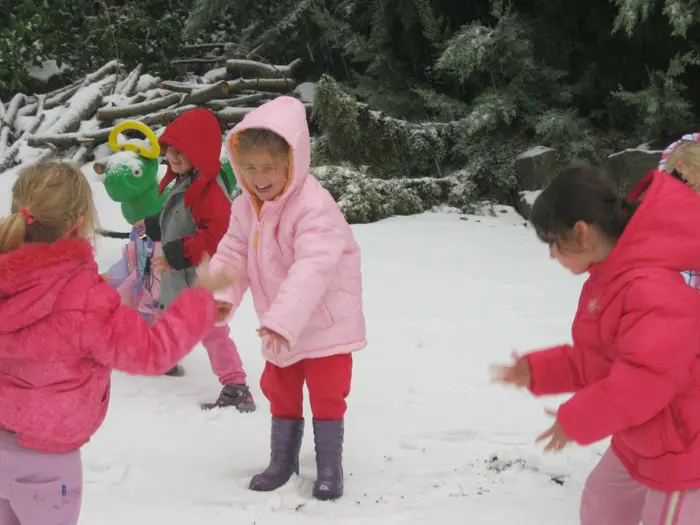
{"x":429,"y":439}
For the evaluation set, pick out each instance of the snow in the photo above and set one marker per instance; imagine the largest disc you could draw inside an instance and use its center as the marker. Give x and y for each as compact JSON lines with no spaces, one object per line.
{"x":428,"y":439}
{"x":306,"y":92}
{"x":530,"y":196}
{"x":145,"y":82}
{"x":533,"y":152}
{"x":48,"y":69}
{"x":124,"y":158}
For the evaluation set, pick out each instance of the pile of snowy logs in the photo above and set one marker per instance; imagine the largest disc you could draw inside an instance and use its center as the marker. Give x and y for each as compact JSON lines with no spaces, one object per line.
{"x":74,"y":120}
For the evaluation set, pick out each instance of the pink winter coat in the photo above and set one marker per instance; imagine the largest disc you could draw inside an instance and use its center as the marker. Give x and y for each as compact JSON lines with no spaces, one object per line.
{"x":63,"y":330}
{"x":635,"y":360}
{"x":299,"y":253}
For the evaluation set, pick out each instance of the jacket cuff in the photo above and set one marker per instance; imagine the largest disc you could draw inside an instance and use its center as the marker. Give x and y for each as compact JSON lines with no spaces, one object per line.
{"x":174,"y":253}
{"x":152,"y":225}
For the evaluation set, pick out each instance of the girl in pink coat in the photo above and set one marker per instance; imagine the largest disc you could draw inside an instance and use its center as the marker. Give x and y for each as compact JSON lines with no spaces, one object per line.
{"x":302,"y":265}
{"x":634,"y":365}
{"x":62,"y":332}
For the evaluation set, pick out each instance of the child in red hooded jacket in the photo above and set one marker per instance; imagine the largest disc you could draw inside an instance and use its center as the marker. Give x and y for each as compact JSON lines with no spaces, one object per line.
{"x":62,"y":332}
{"x":634,"y":365}
{"x":193,"y":220}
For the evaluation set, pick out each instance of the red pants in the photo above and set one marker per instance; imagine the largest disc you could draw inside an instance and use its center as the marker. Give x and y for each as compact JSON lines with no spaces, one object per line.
{"x":327,"y":378}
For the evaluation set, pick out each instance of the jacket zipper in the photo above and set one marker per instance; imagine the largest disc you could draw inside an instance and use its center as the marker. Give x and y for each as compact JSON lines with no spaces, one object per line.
{"x":256,"y":245}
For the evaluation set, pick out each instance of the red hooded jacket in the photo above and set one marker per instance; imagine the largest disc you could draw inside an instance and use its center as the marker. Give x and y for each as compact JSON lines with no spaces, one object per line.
{"x":197,"y":135}
{"x":635,"y":360}
{"x":63,"y":330}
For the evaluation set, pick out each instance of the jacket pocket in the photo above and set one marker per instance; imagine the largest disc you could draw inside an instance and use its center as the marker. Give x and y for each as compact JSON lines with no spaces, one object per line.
{"x":655,"y":438}
{"x":321,"y":318}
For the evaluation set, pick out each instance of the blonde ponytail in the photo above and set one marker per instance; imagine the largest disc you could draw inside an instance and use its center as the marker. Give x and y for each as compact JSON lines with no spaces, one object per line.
{"x":13,"y":231}
{"x":50,"y":200}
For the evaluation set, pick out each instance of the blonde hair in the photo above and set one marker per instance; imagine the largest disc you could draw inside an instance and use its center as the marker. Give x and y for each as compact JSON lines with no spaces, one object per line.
{"x":261,"y":138}
{"x":48,"y":200}
{"x":687,"y":153}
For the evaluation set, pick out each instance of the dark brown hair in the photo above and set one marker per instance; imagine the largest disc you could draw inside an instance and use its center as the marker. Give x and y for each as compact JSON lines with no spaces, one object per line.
{"x":54,"y":195}
{"x":580,"y":193}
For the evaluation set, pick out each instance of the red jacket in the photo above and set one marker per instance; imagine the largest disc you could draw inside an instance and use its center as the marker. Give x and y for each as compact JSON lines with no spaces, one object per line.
{"x":63,"y":330}
{"x":635,"y":360}
{"x":197,"y":135}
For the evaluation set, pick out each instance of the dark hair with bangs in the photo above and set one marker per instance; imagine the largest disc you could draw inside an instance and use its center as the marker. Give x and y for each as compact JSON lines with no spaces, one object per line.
{"x":580,"y":193}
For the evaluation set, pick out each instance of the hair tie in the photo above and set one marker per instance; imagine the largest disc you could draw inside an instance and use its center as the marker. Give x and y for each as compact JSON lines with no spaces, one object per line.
{"x":28,"y":219}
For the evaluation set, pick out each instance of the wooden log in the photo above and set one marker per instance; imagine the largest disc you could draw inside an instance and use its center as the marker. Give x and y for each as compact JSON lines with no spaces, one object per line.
{"x":81,"y":154}
{"x":66,"y":140}
{"x":212,"y":45}
{"x":241,"y":68}
{"x":199,"y":61}
{"x":215,"y":75}
{"x":108,"y":84}
{"x":139,"y":109}
{"x":40,"y":116}
{"x":233,"y":102}
{"x":279,"y":85}
{"x":7,"y":157}
{"x":231,"y":115}
{"x":109,"y":68}
{"x":78,"y":110}
{"x":205,"y":94}
{"x":60,"y":99}
{"x":179,"y":87}
{"x":165,"y":117}
{"x":128,"y":85}
{"x":13,"y":108}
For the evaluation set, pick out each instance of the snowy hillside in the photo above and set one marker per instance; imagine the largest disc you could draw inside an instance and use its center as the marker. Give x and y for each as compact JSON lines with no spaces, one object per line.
{"x":429,"y":439}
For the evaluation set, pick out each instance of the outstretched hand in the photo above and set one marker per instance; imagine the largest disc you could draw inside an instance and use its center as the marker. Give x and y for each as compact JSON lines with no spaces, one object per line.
{"x":558,"y":440}
{"x":215,"y":282}
{"x":274,"y":340}
{"x":517,"y":373}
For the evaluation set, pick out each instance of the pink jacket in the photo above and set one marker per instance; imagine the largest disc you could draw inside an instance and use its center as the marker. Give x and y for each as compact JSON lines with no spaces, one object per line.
{"x":63,"y":330}
{"x":301,"y":259}
{"x":635,"y":360}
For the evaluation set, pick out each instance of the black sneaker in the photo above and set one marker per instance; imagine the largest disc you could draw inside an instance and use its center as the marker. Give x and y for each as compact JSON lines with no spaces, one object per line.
{"x":238,"y":396}
{"x":176,"y":371}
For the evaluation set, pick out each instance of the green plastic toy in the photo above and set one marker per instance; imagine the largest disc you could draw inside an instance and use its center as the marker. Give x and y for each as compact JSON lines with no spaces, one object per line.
{"x":131,"y":174}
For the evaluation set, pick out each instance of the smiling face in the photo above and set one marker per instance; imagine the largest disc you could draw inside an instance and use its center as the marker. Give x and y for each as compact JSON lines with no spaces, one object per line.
{"x":177,"y":161}
{"x":264,"y":174}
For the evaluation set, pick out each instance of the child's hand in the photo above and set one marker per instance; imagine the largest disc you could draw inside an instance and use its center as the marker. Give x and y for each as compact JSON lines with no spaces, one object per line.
{"x":214,"y":282}
{"x":275,"y":340}
{"x":558,"y":438}
{"x":223,"y":309}
{"x":517,"y":374}
{"x":160,"y":264}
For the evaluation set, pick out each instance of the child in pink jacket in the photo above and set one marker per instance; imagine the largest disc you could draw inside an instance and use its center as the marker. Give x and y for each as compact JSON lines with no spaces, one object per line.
{"x":303,"y":267}
{"x":62,"y":331}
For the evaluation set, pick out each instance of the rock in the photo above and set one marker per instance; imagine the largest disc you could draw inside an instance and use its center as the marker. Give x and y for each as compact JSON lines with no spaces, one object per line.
{"x":536,"y":167}
{"x":628,"y":167}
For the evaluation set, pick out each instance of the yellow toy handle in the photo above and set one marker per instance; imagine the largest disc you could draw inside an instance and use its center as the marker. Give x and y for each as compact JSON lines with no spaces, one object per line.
{"x":151,"y":153}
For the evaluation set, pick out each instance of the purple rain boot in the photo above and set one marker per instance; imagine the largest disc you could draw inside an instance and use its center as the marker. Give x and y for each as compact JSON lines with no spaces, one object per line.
{"x":285,"y":443}
{"x":328,"y":436}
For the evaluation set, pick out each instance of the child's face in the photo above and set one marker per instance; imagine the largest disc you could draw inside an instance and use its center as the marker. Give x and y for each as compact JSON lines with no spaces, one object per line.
{"x":264,"y":174}
{"x":177,"y":161}
{"x":586,"y":246}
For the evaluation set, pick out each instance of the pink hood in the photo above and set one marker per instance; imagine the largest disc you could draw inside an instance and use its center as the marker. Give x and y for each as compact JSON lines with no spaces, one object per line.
{"x":286,"y":116}
{"x":32,"y":280}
